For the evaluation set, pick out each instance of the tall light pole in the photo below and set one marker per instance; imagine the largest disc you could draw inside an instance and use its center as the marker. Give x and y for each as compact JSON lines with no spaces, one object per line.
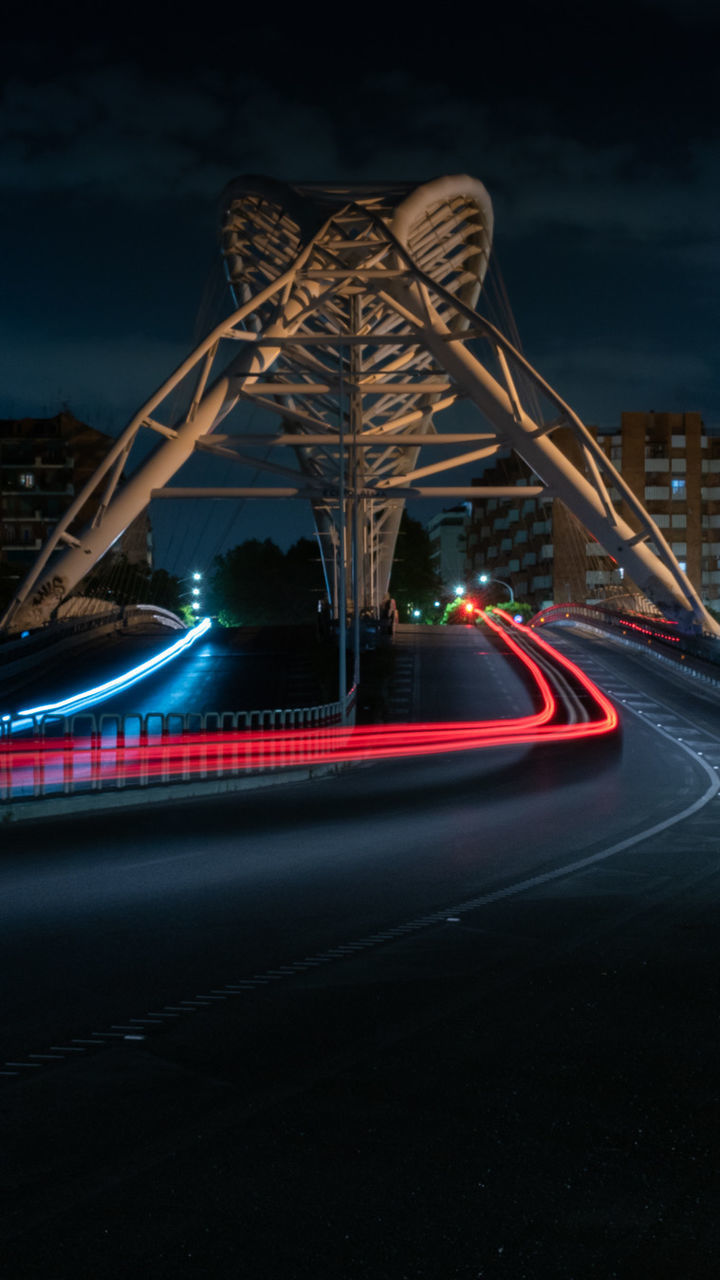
{"x":486,"y":580}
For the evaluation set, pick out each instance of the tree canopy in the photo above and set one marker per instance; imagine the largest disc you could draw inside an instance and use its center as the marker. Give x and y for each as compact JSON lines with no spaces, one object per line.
{"x":414,"y":582}
{"x":256,"y":584}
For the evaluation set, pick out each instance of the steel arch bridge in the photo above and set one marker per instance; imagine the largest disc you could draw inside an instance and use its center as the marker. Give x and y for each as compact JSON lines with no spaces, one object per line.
{"x":355,"y":326}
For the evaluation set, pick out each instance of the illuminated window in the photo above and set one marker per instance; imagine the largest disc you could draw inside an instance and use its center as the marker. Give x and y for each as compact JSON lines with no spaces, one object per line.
{"x":27,"y":480}
{"x":678,"y":489}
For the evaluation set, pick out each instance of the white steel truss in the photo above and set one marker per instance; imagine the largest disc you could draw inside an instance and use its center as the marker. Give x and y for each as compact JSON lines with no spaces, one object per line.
{"x":355,"y":325}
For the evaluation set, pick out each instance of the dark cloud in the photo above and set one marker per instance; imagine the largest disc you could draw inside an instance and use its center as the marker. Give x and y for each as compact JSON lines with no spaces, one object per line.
{"x":113,"y":134}
{"x":593,"y":127}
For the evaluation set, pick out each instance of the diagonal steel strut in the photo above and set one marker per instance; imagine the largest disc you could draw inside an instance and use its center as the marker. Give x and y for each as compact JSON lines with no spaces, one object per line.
{"x":356,"y":325}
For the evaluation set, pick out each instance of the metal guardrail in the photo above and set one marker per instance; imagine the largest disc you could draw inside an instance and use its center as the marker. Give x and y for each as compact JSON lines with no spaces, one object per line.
{"x":654,"y":627}
{"x":655,"y":632}
{"x":120,"y":615}
{"x":19,"y":654}
{"x":86,"y":752}
{"x":33,"y":641}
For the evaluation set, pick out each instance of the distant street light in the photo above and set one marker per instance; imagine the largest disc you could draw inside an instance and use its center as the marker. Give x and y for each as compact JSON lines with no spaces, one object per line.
{"x":485,"y":579}
{"x":194,"y":592}
{"x":459,"y":591}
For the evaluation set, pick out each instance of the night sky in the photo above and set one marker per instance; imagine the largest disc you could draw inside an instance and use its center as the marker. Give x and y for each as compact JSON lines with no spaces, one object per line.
{"x":594,"y":127}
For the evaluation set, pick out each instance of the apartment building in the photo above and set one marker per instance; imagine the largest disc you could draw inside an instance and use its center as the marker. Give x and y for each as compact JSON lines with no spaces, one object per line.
{"x":448,"y":544}
{"x":671,"y":463}
{"x":44,"y":462}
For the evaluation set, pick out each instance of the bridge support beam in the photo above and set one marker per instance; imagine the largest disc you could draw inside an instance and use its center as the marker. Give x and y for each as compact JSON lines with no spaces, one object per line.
{"x":357,"y":325}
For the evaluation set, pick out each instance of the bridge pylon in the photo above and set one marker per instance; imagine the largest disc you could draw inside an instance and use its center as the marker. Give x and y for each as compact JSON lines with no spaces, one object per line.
{"x":355,"y":325}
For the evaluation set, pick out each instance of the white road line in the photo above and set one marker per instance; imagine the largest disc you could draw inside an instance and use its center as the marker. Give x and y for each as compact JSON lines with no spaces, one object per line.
{"x":447,"y":914}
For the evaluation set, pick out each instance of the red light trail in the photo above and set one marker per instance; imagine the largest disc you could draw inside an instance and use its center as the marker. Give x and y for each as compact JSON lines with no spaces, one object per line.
{"x":37,"y":765}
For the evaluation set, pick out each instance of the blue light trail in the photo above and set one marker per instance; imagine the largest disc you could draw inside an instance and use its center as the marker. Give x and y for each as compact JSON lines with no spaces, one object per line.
{"x":88,"y":698}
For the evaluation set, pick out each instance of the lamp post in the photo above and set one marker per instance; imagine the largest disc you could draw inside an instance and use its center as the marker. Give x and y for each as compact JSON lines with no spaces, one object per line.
{"x":486,"y":580}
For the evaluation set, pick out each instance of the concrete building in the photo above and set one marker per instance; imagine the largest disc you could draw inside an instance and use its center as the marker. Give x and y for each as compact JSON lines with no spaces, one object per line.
{"x":448,"y":542}
{"x":669,"y":461}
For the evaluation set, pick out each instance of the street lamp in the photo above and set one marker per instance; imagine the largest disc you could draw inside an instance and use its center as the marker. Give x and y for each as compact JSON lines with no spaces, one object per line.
{"x":194,"y":603}
{"x":486,"y":580}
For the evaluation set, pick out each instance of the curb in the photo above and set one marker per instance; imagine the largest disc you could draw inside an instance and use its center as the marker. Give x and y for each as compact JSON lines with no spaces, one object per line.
{"x":137,"y":798}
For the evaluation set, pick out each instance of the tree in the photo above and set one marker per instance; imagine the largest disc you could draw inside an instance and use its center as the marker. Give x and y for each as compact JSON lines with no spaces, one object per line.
{"x":461,"y":610}
{"x":414,"y":582}
{"x":257,"y":584}
{"x":514,"y":607}
{"x":305,"y":584}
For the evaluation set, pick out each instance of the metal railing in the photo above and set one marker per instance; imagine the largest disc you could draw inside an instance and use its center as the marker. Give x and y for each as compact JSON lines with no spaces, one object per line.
{"x":700,"y":652}
{"x":86,"y":752}
{"x":20,"y":653}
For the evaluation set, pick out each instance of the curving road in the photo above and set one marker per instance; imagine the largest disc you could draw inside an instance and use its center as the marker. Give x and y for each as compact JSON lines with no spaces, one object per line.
{"x":453,"y":1016}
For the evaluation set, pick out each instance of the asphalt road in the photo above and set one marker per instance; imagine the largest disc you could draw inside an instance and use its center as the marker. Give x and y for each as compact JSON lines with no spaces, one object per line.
{"x":219,"y":671}
{"x":233,"y":670}
{"x":453,"y":1017}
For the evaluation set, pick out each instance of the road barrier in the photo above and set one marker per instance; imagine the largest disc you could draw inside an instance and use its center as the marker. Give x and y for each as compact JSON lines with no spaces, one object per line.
{"x":86,"y":752}
{"x":20,"y":655}
{"x":696,"y":655}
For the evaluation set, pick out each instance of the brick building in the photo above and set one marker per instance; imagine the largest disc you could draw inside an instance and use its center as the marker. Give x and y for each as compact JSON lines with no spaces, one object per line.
{"x":671,"y":464}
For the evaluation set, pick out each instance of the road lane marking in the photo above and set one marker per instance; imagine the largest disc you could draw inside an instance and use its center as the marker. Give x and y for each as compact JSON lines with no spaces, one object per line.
{"x":447,"y":915}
